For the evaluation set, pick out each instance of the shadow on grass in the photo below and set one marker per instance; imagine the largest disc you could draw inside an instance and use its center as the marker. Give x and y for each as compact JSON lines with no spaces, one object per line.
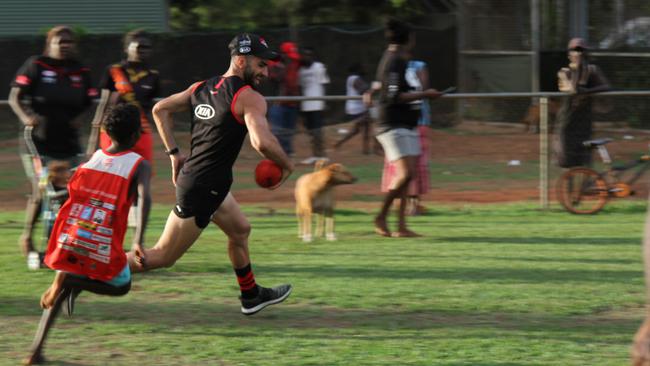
{"x":541,"y":240}
{"x":469,"y":274}
{"x":191,"y":318}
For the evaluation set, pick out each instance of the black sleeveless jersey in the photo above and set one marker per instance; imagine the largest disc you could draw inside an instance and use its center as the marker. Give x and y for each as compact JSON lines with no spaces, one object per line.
{"x":217,"y":133}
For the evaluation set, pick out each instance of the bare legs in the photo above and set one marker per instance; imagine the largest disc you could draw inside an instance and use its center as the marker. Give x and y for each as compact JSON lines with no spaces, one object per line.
{"x":31,"y":216}
{"x":179,"y":235}
{"x":404,"y":171}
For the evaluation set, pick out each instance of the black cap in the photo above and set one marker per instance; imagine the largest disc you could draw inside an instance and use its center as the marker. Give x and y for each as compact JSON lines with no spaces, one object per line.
{"x":251,"y":44}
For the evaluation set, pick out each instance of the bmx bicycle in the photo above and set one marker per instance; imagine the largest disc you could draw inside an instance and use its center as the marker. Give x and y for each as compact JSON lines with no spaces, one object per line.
{"x":583,"y":190}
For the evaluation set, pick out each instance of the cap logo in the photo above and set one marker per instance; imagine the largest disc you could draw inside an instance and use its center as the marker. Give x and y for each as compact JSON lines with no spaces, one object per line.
{"x":245,"y":49}
{"x":263,"y":41}
{"x":245,"y":41}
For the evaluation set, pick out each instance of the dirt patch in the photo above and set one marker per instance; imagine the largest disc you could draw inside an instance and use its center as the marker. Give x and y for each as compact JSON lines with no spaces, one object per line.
{"x":470,"y":143}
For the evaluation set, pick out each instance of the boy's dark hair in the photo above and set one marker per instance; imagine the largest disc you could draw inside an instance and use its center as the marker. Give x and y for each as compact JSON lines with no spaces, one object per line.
{"x":397,"y":32}
{"x":122,"y":122}
{"x":133,"y":35}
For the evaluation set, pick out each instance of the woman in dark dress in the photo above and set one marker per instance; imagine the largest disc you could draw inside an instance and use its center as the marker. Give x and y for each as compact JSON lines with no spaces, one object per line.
{"x":578,"y":79}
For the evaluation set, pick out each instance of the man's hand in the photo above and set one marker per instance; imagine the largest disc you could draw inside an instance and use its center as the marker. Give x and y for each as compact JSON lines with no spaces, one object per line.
{"x":177,"y":160}
{"x":285,"y":174}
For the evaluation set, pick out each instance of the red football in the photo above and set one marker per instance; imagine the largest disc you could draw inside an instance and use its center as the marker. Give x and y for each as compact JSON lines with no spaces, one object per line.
{"x":267,"y":173}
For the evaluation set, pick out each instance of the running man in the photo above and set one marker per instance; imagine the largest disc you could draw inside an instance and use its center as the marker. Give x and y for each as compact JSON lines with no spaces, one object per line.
{"x":224,"y":109}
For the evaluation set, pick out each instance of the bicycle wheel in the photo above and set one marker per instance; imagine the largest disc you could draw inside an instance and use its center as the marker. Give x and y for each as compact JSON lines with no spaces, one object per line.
{"x":582,"y":191}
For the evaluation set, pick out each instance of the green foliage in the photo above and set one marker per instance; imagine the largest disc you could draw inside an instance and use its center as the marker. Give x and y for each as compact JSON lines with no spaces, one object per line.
{"x":486,"y":285}
{"x":230,"y":15}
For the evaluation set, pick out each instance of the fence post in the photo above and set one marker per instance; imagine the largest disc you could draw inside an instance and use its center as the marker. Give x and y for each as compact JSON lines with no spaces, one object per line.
{"x":543,"y":152}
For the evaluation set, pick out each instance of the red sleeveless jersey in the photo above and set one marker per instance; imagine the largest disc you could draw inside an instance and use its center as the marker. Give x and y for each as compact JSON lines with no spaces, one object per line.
{"x":88,"y":234}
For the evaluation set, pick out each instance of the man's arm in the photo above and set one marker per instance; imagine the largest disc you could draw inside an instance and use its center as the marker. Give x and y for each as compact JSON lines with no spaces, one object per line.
{"x":143,"y":184}
{"x":252,"y":106}
{"x":162,"y":115}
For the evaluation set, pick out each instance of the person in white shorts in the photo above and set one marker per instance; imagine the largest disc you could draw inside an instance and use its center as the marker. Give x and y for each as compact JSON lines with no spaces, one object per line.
{"x":399,"y":110}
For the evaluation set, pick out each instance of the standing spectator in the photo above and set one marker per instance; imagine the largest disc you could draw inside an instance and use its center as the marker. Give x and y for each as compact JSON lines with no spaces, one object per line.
{"x":130,"y":81}
{"x":355,"y":109}
{"x":579,"y":79}
{"x":60,"y":89}
{"x":398,"y":118}
{"x":313,"y":77}
{"x":417,"y":75}
{"x":283,"y":115}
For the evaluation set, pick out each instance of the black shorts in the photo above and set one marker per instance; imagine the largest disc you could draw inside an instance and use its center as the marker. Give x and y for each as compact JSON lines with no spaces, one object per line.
{"x":199,"y":200}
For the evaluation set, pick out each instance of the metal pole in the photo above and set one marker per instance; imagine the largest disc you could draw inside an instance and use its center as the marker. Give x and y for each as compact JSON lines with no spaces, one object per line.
{"x":543,"y":153}
{"x":461,"y":23}
{"x":534,"y":44}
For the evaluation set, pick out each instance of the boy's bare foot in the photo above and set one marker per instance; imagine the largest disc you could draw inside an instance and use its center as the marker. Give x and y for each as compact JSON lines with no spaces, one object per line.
{"x":381,"y":228}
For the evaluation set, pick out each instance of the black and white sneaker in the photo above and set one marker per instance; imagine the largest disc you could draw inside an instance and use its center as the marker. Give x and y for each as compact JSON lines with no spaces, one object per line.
{"x":266,"y":297}
{"x":69,"y":302}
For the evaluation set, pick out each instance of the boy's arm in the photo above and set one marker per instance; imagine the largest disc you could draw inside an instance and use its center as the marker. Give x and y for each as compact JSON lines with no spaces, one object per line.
{"x":142,"y":181}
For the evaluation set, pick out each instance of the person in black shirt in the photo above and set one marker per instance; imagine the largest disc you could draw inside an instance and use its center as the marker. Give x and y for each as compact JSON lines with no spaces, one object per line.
{"x":397,"y":122}
{"x":59,"y":88}
{"x":130,"y":81}
{"x":224,"y":109}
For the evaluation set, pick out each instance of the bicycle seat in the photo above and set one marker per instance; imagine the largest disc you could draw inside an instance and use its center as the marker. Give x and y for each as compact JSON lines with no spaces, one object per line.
{"x":597,"y":142}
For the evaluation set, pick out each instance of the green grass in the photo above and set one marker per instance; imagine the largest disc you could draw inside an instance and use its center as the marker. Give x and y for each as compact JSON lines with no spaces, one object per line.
{"x":487,"y":285}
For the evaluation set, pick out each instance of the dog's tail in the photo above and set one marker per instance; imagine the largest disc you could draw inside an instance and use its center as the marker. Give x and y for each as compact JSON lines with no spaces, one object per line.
{"x":320,"y":163}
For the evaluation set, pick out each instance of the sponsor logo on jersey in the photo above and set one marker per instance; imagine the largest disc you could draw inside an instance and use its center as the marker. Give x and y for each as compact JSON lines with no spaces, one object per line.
{"x":48,"y":73}
{"x":99,"y":258}
{"x":204,"y":111}
{"x":84,"y":234}
{"x":85,"y":244}
{"x":75,"y":209}
{"x":86,"y":213}
{"x":109,"y":206}
{"x":71,"y":221}
{"x":87,"y":225}
{"x":108,"y":162}
{"x":96,"y":202}
{"x":76,"y":78}
{"x":102,"y":239}
{"x":63,"y":238}
{"x":99,"y":217}
{"x":105,"y":230}
{"x":104,"y":249}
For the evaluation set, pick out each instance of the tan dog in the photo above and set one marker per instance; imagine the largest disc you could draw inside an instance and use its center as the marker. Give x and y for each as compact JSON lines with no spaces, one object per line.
{"x":314,"y":194}
{"x":531,"y":119}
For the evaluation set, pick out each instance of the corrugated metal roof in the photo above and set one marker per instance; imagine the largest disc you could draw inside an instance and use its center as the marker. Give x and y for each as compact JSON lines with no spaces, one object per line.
{"x":29,"y":17}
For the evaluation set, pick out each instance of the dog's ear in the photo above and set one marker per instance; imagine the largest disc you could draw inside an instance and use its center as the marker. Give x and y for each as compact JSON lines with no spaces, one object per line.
{"x":320,"y":163}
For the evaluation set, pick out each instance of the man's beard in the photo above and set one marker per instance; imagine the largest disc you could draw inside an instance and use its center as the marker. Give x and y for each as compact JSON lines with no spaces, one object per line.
{"x":249,"y":77}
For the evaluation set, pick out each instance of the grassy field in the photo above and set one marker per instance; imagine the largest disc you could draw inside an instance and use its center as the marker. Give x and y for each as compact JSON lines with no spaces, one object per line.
{"x":487,"y":285}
